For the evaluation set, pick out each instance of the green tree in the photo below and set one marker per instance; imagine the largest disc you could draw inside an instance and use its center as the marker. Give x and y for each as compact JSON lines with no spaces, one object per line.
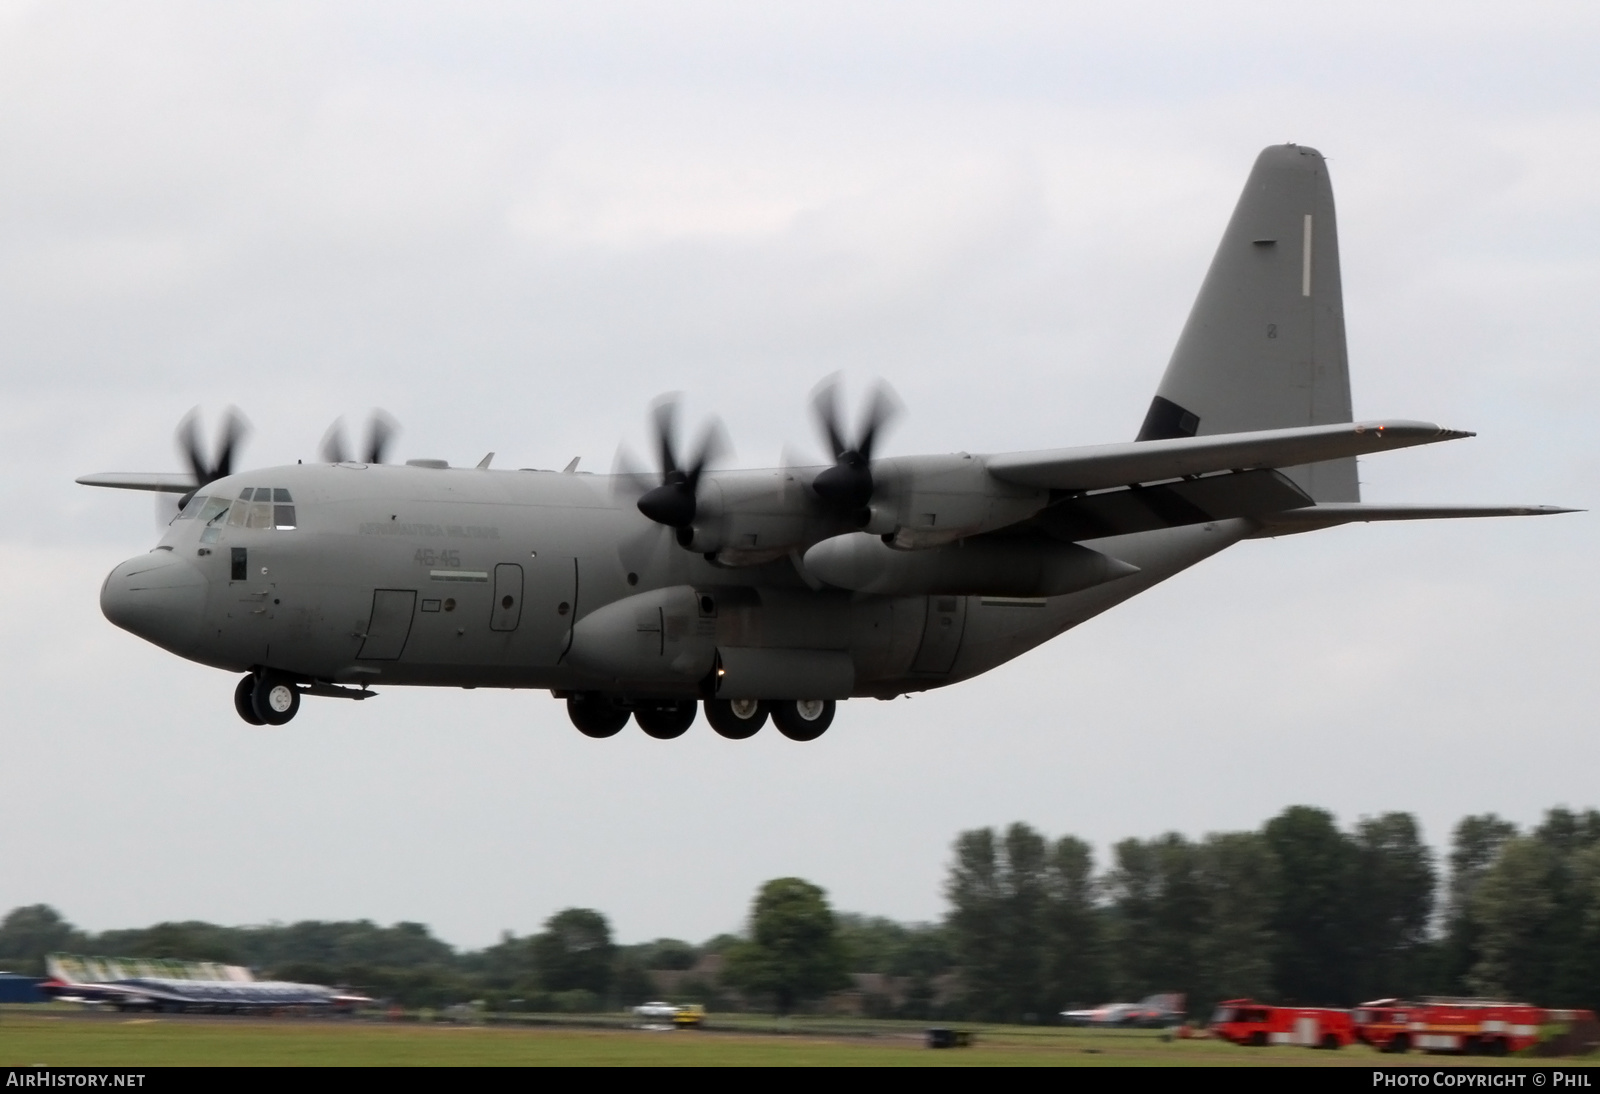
{"x":1391,"y":906}
{"x":1313,"y":911}
{"x":1158,"y":915}
{"x":27,"y":934}
{"x":794,"y":952}
{"x":574,"y":952}
{"x":999,"y":891}
{"x":1239,"y":882}
{"x":668,"y":953}
{"x":1075,"y":973}
{"x":1473,"y":847}
{"x":1513,"y":908}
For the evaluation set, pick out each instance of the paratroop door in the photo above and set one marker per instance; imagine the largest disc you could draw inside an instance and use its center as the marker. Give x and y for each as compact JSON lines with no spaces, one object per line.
{"x":941,"y":635}
{"x":390,"y":625}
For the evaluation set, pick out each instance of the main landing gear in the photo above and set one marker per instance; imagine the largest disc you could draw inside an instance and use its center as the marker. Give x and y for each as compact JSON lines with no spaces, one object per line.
{"x":599,"y":715}
{"x":266,"y":699}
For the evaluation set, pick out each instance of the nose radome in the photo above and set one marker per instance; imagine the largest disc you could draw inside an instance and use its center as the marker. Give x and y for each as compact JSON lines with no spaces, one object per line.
{"x":159,"y":597}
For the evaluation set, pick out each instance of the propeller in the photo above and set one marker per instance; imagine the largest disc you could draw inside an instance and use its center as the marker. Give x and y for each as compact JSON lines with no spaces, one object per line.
{"x":674,"y":502}
{"x":234,"y":430}
{"x":848,"y":485}
{"x":381,"y":428}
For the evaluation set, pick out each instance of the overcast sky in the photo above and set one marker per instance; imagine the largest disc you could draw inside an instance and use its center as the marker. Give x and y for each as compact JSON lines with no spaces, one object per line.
{"x":512,"y":225}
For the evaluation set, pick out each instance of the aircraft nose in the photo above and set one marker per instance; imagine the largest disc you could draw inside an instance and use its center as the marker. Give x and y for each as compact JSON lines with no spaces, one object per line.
{"x":159,"y":597}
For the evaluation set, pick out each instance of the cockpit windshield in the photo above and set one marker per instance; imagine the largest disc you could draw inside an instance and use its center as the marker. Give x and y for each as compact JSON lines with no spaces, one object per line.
{"x":263,"y":507}
{"x":205,"y":510}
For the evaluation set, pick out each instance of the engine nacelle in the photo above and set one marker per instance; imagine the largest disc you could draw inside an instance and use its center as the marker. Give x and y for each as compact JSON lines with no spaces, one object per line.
{"x":973,"y":567}
{"x":659,"y":636}
{"x":928,"y":501}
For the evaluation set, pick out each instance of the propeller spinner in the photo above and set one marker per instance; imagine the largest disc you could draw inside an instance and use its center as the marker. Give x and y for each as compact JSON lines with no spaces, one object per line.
{"x":234,"y":430}
{"x":674,"y":502}
{"x":848,"y":485}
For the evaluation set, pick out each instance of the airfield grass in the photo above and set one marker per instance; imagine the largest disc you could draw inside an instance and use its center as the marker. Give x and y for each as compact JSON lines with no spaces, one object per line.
{"x":39,"y":1039}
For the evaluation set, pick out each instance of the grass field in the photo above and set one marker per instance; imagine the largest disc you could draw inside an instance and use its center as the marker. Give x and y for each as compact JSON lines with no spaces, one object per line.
{"x":33,"y":1038}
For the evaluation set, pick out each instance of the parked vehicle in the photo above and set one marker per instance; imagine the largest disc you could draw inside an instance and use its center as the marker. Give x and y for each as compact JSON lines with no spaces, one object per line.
{"x":1247,"y":1022}
{"x":1489,"y":1027}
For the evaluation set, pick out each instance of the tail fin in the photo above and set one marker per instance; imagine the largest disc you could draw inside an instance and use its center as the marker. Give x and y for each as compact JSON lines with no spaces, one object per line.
{"x":1264,"y":345}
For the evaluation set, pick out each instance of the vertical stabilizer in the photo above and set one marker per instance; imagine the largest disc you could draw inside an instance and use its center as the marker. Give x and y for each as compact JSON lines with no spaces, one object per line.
{"x":1264,"y":345}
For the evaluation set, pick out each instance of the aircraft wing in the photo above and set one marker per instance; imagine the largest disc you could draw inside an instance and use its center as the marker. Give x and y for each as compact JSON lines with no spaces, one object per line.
{"x":1094,"y":467}
{"x":166,"y":482}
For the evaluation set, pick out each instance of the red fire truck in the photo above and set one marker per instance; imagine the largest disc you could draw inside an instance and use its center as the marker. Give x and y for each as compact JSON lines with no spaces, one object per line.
{"x":1246,"y":1022}
{"x":1487,"y":1026}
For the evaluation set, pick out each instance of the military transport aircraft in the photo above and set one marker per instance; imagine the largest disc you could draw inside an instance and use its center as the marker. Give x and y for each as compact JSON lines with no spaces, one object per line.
{"x":777,"y":592}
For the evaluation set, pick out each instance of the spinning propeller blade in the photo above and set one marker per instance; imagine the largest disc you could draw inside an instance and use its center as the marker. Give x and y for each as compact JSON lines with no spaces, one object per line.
{"x":848,"y":484}
{"x":674,"y":502}
{"x":381,"y":429}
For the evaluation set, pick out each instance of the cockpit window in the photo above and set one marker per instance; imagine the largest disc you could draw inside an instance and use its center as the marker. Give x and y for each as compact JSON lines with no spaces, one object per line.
{"x":262,"y":507}
{"x":212,"y":511}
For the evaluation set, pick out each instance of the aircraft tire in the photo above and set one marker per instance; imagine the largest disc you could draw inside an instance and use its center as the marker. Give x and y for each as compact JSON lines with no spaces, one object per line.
{"x":736,"y":719}
{"x":803,"y":719}
{"x":275,"y":699}
{"x":596,"y":715}
{"x":242,"y":696}
{"x":665,"y":719}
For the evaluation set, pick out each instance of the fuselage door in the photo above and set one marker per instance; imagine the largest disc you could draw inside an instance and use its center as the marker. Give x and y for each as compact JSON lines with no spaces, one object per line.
{"x":941,"y":635}
{"x":506,"y":612}
{"x":390,"y":625}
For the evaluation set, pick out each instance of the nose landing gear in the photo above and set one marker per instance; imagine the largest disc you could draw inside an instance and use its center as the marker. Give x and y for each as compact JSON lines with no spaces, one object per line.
{"x":266,"y":699}
{"x":244,"y":700}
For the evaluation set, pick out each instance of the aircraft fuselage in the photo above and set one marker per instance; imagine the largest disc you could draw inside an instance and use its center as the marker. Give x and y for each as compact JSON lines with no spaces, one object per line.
{"x":482,"y":578}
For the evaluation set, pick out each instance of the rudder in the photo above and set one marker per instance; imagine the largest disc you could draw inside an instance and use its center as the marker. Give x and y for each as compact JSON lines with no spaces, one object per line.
{"x":1264,"y":346}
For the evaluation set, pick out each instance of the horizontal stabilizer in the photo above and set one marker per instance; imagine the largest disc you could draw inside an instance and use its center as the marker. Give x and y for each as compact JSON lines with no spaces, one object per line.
{"x":167,"y":483}
{"x":1094,"y":467}
{"x":1329,"y":515}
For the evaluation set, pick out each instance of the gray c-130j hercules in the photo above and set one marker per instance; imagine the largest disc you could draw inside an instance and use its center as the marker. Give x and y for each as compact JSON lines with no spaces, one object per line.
{"x":779,"y":592}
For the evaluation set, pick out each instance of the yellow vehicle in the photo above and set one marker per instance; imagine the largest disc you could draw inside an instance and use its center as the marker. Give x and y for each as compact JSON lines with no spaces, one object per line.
{"x":689,"y":1016}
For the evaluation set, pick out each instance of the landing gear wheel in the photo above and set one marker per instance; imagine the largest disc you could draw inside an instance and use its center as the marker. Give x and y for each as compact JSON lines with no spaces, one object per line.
{"x":803,"y":719}
{"x":596,"y":715}
{"x":665,"y":719}
{"x":736,"y":719}
{"x":242,"y":700}
{"x":274,"y":699}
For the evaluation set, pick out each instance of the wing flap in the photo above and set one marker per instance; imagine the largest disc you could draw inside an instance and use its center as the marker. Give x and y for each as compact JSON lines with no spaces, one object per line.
{"x":1094,"y":467}
{"x":1124,"y":510}
{"x":1332,"y":514}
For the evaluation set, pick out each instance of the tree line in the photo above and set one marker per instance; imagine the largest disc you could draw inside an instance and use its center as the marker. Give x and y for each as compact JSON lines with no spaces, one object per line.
{"x":1299,"y":910}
